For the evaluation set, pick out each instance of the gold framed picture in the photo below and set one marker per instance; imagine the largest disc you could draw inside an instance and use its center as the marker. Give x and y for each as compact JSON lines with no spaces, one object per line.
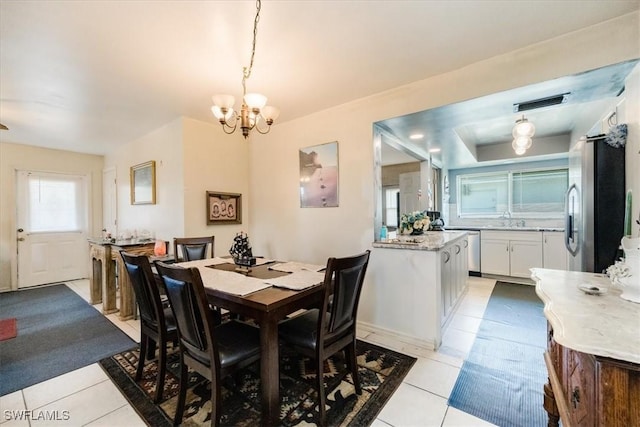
{"x":143,"y":183}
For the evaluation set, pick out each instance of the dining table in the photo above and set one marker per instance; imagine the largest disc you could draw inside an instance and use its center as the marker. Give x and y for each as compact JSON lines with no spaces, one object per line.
{"x":266,"y":304}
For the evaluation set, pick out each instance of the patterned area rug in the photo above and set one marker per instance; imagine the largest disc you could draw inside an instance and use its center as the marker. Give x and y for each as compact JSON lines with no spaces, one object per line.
{"x":381,"y":371}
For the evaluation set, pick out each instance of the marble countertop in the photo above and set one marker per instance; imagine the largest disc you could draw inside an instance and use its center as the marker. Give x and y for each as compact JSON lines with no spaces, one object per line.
{"x":604,"y":325}
{"x":429,"y":241}
{"x":121,"y":242}
{"x":502,"y":228}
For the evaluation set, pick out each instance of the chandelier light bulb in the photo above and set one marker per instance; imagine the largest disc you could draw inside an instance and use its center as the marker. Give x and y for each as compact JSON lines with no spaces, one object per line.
{"x":269,"y":113}
{"x":523,"y":127}
{"x":520,"y":151}
{"x":523,"y":141}
{"x":223,"y":101}
{"x":255,"y":101}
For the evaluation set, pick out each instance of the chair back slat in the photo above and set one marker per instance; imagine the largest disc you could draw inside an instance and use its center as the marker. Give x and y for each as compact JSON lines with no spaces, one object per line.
{"x":347,"y":275}
{"x":141,"y":278}
{"x":193,"y":248}
{"x":193,"y":315}
{"x":187,"y":314}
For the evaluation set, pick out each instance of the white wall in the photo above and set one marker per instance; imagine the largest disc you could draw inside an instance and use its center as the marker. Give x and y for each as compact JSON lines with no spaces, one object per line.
{"x":281,"y":229}
{"x":213,"y":161}
{"x":165,"y":218}
{"x":13,"y":157}
{"x":191,"y":157}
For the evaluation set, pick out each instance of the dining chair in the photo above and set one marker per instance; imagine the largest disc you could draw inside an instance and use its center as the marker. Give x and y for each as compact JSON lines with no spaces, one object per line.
{"x":157,"y":324}
{"x":193,"y":248}
{"x":213,"y":351}
{"x":320,"y":336}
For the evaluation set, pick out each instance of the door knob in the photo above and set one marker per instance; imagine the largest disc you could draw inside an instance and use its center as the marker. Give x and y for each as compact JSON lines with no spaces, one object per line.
{"x":20,"y":239}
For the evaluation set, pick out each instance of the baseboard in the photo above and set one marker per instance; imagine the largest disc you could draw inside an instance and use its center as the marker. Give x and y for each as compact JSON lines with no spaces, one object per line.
{"x":397,"y":336}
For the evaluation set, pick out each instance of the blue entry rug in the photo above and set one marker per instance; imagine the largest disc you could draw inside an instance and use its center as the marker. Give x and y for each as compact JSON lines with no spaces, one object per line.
{"x":58,"y":332}
{"x":502,"y":379}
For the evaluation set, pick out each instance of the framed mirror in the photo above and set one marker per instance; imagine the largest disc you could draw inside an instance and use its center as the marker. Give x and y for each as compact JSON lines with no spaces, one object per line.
{"x":143,"y":183}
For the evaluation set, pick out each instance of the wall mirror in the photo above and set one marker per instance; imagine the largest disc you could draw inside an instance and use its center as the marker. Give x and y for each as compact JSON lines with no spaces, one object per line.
{"x":143,"y":183}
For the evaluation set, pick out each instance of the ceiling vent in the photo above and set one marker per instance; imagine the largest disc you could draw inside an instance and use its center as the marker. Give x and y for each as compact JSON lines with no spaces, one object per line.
{"x":541,"y":103}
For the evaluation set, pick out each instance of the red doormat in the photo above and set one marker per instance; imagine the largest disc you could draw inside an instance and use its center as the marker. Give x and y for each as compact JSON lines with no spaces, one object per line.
{"x":8,"y":329}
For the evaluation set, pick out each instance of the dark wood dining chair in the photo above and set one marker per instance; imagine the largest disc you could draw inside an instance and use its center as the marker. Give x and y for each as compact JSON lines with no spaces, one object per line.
{"x":157,"y":324}
{"x":321,"y":336}
{"x":213,"y":351}
{"x":193,"y":248}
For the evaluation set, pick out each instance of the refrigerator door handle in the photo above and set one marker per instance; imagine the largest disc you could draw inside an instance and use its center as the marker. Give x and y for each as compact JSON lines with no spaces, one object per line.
{"x":569,"y":236}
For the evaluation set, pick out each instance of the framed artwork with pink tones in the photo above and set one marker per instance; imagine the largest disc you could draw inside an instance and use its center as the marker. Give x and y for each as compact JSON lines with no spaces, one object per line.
{"x":319,"y":176}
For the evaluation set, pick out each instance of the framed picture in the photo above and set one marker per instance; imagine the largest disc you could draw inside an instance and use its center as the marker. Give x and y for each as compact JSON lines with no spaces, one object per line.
{"x":143,"y":183}
{"x":319,"y":176}
{"x":224,"y":208}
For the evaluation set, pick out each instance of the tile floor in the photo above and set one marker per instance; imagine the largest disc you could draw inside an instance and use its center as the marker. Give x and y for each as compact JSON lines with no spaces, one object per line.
{"x":91,"y":399}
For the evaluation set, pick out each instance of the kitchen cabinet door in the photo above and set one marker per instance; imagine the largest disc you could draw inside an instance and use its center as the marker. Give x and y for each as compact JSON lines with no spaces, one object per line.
{"x":523,"y":256}
{"x":554,"y":253}
{"x":495,"y":256}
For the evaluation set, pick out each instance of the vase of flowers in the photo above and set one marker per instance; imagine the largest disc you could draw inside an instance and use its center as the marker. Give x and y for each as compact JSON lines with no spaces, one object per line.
{"x":414,"y":223}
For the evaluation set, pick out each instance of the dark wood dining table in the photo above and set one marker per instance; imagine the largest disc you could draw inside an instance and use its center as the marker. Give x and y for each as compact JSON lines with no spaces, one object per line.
{"x":267,"y":307}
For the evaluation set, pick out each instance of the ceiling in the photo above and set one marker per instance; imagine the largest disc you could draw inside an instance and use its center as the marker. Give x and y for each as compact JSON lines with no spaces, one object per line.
{"x":86,"y":76}
{"x":458,"y":133}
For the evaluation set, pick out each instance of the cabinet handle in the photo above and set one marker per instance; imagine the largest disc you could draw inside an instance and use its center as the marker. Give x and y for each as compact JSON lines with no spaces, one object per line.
{"x":448,"y":256}
{"x":457,"y":249}
{"x":466,"y":243}
{"x":575,"y":397}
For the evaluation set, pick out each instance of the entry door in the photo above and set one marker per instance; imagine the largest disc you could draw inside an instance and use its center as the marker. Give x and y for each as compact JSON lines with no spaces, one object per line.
{"x":52,"y":219}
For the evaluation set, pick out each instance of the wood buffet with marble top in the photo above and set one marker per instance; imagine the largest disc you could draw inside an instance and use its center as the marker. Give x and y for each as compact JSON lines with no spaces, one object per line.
{"x":593,"y":351}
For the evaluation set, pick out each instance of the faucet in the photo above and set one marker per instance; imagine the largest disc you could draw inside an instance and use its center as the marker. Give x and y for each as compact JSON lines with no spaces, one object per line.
{"x":505,"y":215}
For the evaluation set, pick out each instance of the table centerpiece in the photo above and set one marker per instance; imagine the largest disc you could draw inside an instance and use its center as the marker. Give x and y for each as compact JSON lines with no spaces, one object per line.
{"x":414,"y":223}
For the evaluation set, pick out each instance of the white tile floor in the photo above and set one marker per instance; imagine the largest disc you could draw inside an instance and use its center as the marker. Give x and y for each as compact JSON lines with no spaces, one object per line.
{"x":91,"y":399}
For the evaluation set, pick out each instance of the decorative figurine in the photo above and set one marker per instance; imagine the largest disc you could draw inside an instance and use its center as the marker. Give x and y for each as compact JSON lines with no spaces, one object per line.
{"x":241,"y":253}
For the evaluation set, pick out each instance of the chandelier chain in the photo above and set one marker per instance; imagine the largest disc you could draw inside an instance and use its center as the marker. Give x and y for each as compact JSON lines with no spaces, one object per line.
{"x":246,"y":71}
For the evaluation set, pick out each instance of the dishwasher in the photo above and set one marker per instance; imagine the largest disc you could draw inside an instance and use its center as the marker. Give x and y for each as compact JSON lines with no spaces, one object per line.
{"x":474,"y":252}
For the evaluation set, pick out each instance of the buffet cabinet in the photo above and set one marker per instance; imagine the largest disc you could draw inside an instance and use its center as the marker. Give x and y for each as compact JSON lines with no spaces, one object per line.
{"x":588,"y":390}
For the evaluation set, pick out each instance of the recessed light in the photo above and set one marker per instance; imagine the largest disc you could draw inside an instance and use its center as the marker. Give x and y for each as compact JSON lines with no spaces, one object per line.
{"x":434,"y":150}
{"x":416,"y":136}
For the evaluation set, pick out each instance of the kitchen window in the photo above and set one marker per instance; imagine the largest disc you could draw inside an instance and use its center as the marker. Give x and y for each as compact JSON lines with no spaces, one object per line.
{"x":519,"y":194}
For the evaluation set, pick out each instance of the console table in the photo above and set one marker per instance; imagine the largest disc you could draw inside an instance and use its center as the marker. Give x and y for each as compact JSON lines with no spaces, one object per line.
{"x":105,"y":259}
{"x":593,"y":351}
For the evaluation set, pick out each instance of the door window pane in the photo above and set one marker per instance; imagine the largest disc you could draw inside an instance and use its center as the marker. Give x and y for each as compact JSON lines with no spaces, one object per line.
{"x":391,"y":207}
{"x":55,"y":203}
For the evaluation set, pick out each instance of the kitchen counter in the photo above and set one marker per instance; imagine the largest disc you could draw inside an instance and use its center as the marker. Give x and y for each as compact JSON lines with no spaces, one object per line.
{"x":505,"y":228}
{"x":429,"y":241}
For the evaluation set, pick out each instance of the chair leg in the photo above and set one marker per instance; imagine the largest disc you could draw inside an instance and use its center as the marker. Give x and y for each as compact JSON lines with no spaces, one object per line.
{"x":321,"y":396}
{"x":162,"y":368}
{"x":143,"y":353}
{"x":182,"y":394}
{"x":352,"y":363}
{"x":216,"y":403}
{"x":151,"y":349}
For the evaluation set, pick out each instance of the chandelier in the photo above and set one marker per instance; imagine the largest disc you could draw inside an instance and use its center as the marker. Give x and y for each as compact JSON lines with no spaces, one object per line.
{"x":522,"y":133}
{"x":254,"y":110}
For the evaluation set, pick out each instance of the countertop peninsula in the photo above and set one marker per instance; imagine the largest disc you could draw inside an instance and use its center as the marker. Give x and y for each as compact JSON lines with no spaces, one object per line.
{"x":603,"y":325}
{"x":429,"y":241}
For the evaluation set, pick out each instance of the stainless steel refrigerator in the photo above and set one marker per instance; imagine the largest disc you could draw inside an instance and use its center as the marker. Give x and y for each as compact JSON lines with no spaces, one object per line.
{"x":595,"y":205}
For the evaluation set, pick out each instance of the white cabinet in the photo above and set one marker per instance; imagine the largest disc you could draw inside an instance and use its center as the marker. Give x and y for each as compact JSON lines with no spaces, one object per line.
{"x":494,"y":256}
{"x":453,"y":276}
{"x":511,"y":253}
{"x":525,"y":254}
{"x":554,"y":253}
